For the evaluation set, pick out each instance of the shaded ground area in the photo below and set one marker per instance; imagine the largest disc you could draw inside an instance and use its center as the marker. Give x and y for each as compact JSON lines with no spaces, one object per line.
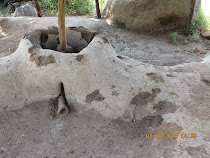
{"x":155,"y":48}
{"x":10,"y":35}
{"x":32,"y":132}
{"x":148,"y":48}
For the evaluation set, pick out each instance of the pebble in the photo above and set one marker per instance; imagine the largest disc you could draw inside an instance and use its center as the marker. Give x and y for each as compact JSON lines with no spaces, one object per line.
{"x":3,"y":150}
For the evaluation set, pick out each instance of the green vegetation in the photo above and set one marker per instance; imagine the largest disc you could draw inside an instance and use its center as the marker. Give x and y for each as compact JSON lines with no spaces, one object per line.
{"x":3,"y":9}
{"x":73,"y":7}
{"x":193,"y":48}
{"x":50,"y":7}
{"x":173,"y":37}
{"x":199,"y":25}
{"x":202,"y":23}
{"x":102,"y":4}
{"x":194,"y":37}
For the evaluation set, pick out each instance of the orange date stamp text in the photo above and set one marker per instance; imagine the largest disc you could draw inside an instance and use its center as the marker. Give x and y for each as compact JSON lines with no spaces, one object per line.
{"x":170,"y":135}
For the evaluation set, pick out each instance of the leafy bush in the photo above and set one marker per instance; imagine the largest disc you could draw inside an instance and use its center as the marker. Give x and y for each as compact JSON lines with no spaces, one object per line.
{"x":79,"y":7}
{"x":202,"y":23}
{"x":50,"y":7}
{"x":102,"y":4}
{"x":6,"y":2}
{"x":3,"y":10}
{"x":199,"y":25}
{"x":194,"y":37}
{"x":173,"y":37}
{"x":73,"y":7}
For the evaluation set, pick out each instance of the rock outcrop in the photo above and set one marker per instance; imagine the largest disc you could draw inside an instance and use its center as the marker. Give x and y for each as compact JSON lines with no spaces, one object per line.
{"x":149,"y":15}
{"x":25,"y":10}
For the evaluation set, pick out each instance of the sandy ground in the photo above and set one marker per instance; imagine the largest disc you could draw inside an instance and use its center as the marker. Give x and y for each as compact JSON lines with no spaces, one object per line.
{"x":33,"y":132}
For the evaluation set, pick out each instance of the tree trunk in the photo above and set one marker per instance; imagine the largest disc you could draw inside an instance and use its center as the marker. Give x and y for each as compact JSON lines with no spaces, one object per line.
{"x":98,"y":9}
{"x":36,"y":3}
{"x":61,"y":24}
{"x":191,"y":15}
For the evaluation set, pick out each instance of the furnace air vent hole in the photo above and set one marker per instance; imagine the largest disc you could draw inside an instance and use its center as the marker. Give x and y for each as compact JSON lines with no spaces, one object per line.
{"x":77,"y":39}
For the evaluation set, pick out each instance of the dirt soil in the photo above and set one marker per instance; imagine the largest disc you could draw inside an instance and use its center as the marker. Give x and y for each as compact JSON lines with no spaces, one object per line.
{"x":34,"y":132}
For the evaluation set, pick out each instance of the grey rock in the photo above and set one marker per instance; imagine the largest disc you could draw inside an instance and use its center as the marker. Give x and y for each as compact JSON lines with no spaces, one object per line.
{"x":149,"y":15}
{"x":25,"y":10}
{"x":196,"y":10}
{"x":3,"y":150}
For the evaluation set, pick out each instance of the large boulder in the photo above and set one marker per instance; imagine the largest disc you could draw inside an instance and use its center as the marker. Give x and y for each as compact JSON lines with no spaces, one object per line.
{"x":25,"y":10}
{"x":149,"y":15}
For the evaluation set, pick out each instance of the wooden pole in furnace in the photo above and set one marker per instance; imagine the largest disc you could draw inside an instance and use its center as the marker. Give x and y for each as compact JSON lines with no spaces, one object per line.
{"x":61,"y":24}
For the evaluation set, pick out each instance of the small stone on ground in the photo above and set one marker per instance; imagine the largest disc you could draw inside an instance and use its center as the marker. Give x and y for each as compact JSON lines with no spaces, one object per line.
{"x":206,"y":34}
